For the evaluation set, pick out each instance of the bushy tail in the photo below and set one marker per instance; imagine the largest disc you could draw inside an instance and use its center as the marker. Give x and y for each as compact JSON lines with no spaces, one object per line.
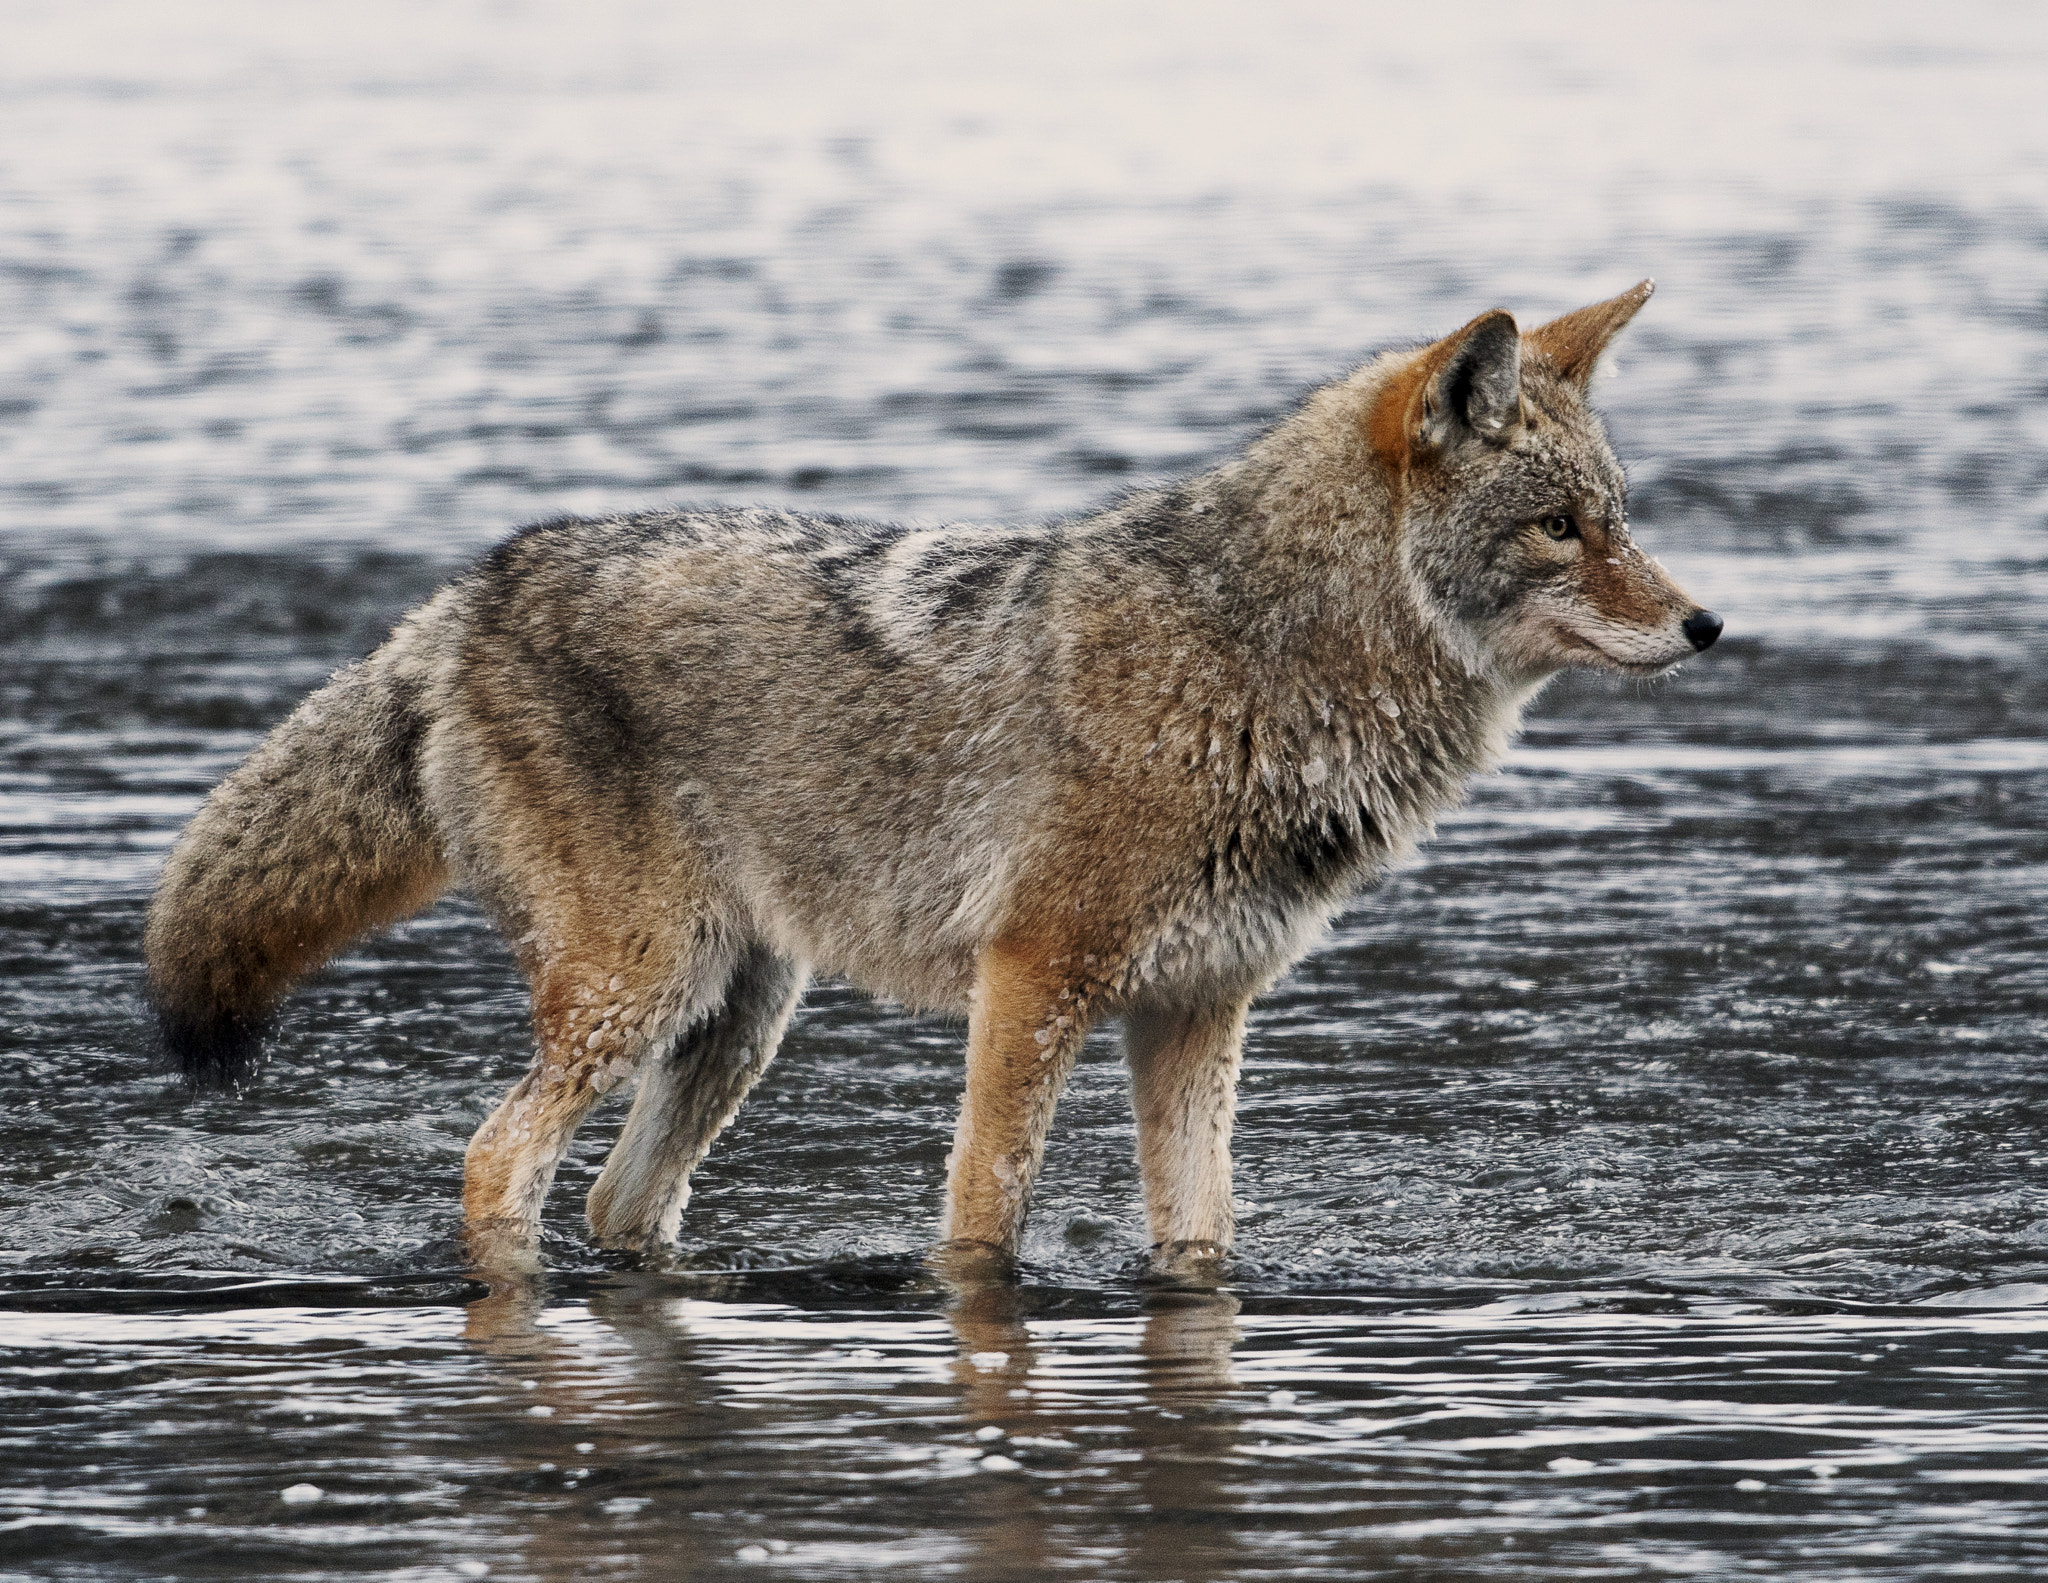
{"x":320,"y":835}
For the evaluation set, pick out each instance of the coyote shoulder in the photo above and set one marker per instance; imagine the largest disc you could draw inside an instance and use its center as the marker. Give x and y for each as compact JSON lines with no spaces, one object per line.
{"x":1123,"y":766}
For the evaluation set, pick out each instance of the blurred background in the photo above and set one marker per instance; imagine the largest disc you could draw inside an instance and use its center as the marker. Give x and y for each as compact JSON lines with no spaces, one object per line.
{"x":1654,"y":1179}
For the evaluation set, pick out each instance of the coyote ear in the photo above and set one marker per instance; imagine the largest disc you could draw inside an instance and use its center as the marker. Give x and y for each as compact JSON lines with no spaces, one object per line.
{"x":1573,"y":344}
{"x":1478,"y":385}
{"x":1467,"y":386}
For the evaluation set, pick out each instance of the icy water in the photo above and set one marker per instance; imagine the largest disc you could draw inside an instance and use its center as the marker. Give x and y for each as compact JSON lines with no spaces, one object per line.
{"x":1653,"y":1181}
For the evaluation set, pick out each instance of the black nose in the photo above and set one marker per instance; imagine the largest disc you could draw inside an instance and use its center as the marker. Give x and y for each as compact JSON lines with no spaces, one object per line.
{"x":1701,"y":628}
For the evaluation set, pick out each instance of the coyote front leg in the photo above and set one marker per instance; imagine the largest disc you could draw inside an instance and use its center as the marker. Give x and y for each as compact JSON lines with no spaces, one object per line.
{"x":1029,"y":1016}
{"x":1183,"y":1064}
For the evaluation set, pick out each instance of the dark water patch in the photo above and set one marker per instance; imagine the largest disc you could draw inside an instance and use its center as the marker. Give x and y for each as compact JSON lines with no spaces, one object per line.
{"x":341,"y":599}
{"x":1780,"y":516}
{"x":31,"y":1293}
{"x":1023,"y":277}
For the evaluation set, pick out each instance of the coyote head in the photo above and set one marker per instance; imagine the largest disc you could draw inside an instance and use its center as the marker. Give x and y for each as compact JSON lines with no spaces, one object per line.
{"x":1515,"y":513}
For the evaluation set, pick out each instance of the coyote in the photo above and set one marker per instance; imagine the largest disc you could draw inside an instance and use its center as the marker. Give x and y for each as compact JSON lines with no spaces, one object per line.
{"x":1128,"y":765}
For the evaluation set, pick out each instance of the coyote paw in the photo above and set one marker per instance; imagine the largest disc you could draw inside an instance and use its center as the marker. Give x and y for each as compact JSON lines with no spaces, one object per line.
{"x":1200,"y":1260}
{"x":503,"y":1247}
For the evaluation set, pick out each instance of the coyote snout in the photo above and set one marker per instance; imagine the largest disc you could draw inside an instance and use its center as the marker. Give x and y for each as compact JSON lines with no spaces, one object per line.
{"x":1604,"y":603}
{"x":1124,"y":767}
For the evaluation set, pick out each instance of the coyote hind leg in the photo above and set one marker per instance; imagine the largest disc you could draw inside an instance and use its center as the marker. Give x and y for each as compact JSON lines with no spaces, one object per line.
{"x":599,"y":1005}
{"x":687,"y":1095}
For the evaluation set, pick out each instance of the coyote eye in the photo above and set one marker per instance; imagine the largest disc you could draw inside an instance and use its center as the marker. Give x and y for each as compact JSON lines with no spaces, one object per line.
{"x":1561,"y":527}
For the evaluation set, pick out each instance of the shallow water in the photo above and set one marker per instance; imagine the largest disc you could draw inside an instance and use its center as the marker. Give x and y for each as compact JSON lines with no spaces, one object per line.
{"x":1653,"y":1180}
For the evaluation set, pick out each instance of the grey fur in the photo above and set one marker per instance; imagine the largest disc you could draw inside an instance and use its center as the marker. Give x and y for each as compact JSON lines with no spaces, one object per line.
{"x":1130,"y":763}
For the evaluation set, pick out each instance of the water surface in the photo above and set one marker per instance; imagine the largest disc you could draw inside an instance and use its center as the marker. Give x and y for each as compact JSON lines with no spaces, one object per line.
{"x":1654,"y":1180}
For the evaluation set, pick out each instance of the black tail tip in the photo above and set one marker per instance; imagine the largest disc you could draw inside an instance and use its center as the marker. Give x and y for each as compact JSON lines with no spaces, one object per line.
{"x":210,"y":1052}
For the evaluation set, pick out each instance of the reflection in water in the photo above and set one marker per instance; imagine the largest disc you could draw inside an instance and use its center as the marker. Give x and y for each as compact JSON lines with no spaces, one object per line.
{"x":1185,"y":1347}
{"x":1018,"y":1407}
{"x":1174,"y":1454}
{"x":1175,"y":1447}
{"x":687,"y":1422}
{"x":1014,"y":1429}
{"x":993,"y":1372}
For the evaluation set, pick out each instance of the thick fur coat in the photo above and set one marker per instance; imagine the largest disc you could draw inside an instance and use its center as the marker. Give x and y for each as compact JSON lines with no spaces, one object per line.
{"x":1127,"y":765}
